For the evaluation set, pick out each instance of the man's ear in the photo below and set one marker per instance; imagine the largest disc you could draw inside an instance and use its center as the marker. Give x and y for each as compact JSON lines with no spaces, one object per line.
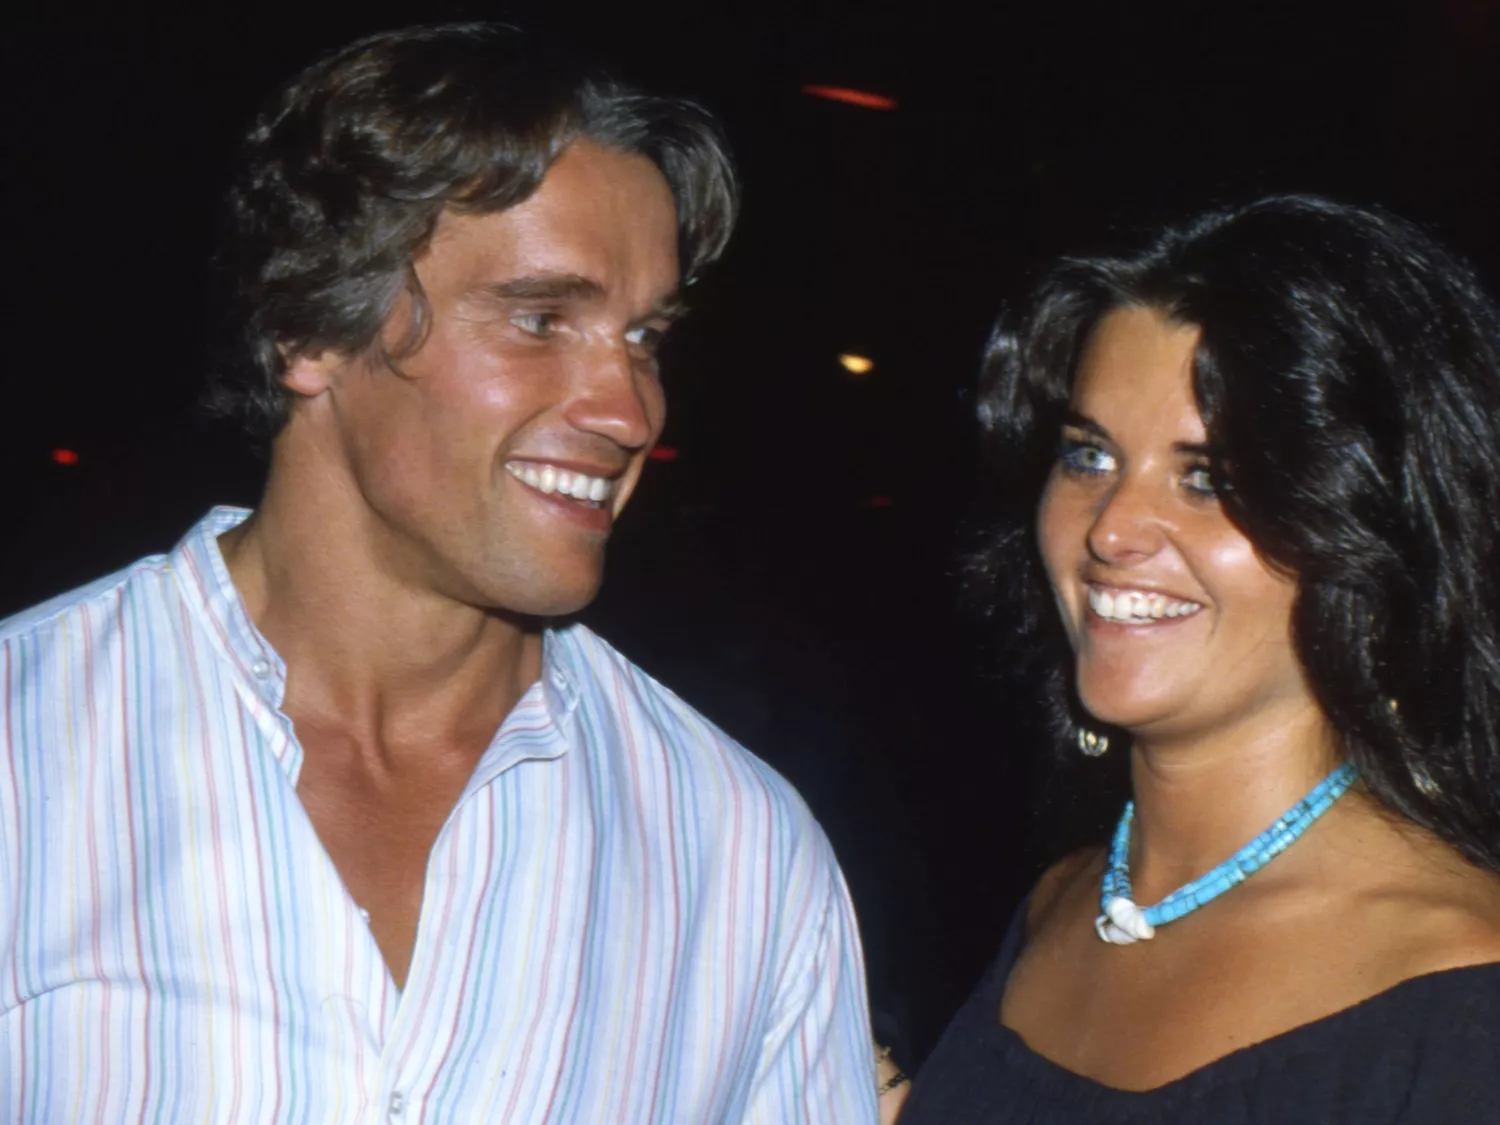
{"x":311,"y":375}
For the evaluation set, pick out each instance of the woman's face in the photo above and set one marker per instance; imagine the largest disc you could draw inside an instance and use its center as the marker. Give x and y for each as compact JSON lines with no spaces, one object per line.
{"x":1178,"y":627}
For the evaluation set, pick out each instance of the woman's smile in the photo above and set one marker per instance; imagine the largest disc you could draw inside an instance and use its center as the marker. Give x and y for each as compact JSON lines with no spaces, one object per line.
{"x":1136,"y":606}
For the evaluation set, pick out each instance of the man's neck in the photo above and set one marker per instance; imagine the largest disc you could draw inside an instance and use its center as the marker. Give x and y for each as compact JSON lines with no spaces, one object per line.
{"x":392,"y":665}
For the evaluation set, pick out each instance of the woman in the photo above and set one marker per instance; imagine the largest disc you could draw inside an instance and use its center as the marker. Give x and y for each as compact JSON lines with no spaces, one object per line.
{"x":1257,"y":547}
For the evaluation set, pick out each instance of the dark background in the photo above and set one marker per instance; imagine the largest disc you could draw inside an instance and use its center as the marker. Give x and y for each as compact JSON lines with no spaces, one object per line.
{"x":791,"y":573}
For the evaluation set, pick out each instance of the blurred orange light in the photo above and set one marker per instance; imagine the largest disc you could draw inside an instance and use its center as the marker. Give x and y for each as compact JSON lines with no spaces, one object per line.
{"x":663,"y":453}
{"x":862,"y":98}
{"x":65,"y":457}
{"x":857,"y":364}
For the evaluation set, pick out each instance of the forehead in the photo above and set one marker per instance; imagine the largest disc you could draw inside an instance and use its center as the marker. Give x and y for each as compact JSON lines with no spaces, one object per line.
{"x":604,"y":215}
{"x":1136,"y":374}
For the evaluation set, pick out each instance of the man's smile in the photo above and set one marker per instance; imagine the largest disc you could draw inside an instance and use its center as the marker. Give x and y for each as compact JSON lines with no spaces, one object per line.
{"x":554,"y":480}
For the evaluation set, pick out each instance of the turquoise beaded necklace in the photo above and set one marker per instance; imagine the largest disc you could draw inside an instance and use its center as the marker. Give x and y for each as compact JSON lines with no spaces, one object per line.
{"x":1123,"y":922}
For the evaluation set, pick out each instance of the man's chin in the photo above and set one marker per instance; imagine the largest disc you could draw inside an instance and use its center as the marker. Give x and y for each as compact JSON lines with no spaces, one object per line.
{"x":545,"y":600}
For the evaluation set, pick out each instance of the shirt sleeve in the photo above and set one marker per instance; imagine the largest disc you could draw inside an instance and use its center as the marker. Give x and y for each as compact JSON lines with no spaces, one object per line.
{"x":818,"y":1063}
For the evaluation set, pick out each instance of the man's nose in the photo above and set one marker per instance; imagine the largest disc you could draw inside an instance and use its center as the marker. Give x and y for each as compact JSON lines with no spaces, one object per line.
{"x":615,"y":397}
{"x":1128,"y":523}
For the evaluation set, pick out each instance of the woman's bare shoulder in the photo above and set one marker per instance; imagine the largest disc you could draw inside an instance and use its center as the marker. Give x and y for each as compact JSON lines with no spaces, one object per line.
{"x":1464,"y":922}
{"x":1436,"y":911}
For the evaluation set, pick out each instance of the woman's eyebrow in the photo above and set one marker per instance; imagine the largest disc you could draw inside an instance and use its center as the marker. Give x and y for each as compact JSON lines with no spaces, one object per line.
{"x":1074,"y":420}
{"x":1083,"y":422}
{"x":1193,"y":448}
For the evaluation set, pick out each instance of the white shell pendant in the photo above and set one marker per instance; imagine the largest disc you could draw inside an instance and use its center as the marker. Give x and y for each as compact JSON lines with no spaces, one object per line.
{"x":1111,"y":933}
{"x":1123,"y":923}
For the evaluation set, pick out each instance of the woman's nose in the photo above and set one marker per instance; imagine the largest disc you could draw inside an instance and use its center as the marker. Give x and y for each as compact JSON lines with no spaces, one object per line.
{"x":1127,"y":524}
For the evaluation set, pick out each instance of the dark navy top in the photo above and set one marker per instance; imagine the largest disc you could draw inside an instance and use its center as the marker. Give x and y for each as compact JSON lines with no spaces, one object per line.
{"x":1426,"y":1052}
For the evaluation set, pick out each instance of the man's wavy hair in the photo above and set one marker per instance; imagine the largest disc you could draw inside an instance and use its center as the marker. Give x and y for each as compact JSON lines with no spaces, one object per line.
{"x":342,"y":180}
{"x":1348,"y":375}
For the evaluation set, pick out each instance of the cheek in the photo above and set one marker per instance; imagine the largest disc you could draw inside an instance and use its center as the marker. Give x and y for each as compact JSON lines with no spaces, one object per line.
{"x":491,"y":405}
{"x":1259,"y":597}
{"x":1059,"y":541}
{"x":654,"y":402}
{"x":1060,"y":528}
{"x":481,"y":406}
{"x":440,"y":433}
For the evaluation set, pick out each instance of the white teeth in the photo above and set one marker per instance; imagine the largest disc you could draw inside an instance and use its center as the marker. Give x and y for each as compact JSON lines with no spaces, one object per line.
{"x":564,"y":482}
{"x":1137,"y":607}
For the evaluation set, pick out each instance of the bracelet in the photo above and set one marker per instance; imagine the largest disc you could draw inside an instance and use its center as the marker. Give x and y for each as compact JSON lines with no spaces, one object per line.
{"x":895,"y":1080}
{"x":881,"y":1054}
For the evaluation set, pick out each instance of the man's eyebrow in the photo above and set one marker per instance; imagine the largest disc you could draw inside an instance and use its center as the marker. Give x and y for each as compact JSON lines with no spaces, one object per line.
{"x":671,"y":307}
{"x":546,"y":287}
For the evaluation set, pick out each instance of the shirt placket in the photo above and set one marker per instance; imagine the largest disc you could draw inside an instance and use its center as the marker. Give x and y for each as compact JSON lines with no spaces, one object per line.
{"x":425,"y":1009}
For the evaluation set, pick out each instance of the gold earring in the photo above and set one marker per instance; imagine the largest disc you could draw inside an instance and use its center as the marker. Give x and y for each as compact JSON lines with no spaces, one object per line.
{"x":1093,"y":745}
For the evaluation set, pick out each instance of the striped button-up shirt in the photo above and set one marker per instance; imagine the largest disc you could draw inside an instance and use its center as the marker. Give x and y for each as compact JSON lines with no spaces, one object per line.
{"x":627,"y":917}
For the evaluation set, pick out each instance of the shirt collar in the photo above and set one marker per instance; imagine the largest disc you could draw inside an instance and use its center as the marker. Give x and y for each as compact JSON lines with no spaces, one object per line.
{"x":204,"y":577}
{"x":560,"y":677}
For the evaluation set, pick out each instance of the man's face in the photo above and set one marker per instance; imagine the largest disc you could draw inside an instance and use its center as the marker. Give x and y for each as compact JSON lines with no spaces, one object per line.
{"x":491,"y":467}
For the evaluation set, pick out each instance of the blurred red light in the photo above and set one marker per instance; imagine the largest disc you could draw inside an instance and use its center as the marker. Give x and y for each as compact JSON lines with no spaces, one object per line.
{"x":881,"y":502}
{"x":65,"y":457}
{"x":663,"y":453}
{"x":862,"y":98}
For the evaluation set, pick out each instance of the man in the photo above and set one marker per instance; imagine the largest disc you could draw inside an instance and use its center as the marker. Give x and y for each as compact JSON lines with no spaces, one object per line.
{"x":316,"y":818}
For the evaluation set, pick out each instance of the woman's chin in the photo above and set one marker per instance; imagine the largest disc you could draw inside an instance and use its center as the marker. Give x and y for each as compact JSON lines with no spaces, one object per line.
{"x":1133,"y":715}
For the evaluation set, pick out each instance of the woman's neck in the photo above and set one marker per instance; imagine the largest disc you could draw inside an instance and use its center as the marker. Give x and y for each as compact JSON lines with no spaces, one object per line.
{"x":1199,"y":800}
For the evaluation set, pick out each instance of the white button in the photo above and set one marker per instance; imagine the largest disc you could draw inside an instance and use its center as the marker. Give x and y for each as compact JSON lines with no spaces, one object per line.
{"x":397,"y":1104}
{"x":261,"y":669}
{"x":365,"y":914}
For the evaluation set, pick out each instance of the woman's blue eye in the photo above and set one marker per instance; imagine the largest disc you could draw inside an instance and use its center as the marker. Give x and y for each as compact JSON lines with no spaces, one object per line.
{"x":1084,"y":458}
{"x":1201,"y":480}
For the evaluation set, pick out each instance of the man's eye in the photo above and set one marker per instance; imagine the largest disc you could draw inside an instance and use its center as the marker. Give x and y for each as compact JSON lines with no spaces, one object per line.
{"x":647,"y":338}
{"x":1084,"y":458}
{"x":541,"y":325}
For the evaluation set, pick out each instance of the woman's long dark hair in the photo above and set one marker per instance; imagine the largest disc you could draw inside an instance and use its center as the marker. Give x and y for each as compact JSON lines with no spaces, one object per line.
{"x":1348,"y":375}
